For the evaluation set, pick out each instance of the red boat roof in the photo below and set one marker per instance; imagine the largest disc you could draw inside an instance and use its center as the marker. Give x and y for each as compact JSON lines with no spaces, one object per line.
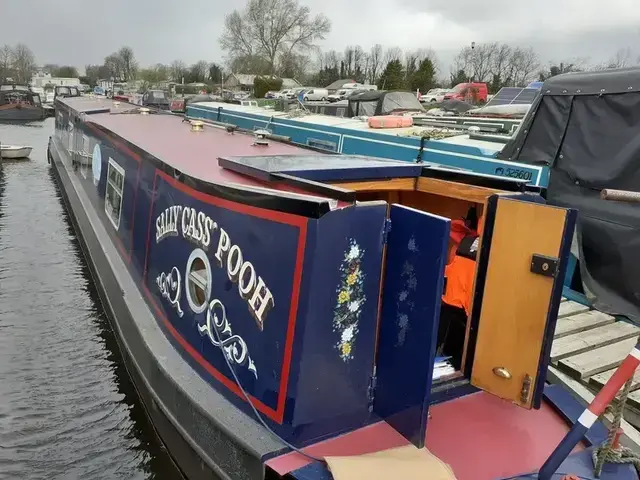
{"x":170,"y":139}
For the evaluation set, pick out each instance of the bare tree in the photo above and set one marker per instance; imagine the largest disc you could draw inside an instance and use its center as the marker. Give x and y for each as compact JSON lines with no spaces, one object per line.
{"x":177,"y":70}
{"x":393,"y":53}
{"x":375,"y":62}
{"x":526,"y":64}
{"x":621,"y":59}
{"x":113,"y":63}
{"x":358,"y":67}
{"x":24,"y":63}
{"x":348,"y":60}
{"x":272,"y":28}
{"x":6,"y":60}
{"x":129,"y":64}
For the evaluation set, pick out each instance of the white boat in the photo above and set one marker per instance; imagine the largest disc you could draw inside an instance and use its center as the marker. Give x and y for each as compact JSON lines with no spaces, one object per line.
{"x":13,"y":151}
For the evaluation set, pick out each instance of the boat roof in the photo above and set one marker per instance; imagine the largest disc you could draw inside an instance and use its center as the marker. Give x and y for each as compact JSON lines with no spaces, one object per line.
{"x":618,"y":80}
{"x":358,"y":124}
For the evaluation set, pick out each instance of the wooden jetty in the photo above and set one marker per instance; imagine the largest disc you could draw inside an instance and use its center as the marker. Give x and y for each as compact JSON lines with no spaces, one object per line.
{"x":588,"y":346}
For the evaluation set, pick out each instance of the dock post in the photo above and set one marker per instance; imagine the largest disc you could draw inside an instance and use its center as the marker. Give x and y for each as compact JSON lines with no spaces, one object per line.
{"x":591,"y":414}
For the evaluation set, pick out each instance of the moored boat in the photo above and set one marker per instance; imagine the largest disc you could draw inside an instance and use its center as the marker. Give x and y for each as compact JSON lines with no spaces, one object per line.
{"x":19,"y":104}
{"x":15,"y":151}
{"x":437,"y":140}
{"x":268,"y":297}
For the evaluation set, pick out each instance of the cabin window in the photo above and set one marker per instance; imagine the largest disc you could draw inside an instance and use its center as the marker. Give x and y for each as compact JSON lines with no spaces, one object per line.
{"x":71,"y":136}
{"x":114,"y":193}
{"x":85,"y":156}
{"x":198,"y":277}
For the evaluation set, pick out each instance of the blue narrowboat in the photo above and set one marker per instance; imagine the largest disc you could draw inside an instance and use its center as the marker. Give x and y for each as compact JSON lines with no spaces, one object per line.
{"x":280,"y":308}
{"x":475,"y":152}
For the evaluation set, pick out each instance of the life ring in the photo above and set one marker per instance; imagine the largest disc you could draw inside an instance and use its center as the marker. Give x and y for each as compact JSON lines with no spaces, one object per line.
{"x":390,"y":121}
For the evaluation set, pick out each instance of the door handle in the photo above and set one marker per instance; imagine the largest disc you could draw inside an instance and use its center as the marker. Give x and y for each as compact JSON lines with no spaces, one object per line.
{"x":502,"y":373}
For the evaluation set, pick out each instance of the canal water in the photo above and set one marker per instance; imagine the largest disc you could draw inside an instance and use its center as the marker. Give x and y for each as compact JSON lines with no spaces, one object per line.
{"x":67,"y":406}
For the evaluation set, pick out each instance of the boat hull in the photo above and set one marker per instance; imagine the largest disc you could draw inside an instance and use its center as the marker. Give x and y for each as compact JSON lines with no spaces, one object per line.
{"x":9,"y":152}
{"x":203,"y":444}
{"x":11,"y":113}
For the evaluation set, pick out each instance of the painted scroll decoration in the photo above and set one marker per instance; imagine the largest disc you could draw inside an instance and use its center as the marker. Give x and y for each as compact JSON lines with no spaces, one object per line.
{"x":201,"y":230}
{"x":405,"y":305}
{"x":350,"y":299}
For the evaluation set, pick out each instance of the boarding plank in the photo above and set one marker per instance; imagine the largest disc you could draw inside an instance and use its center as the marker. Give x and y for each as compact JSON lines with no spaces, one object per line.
{"x":581,"y":322}
{"x":571,"y":308}
{"x":596,"y":361}
{"x":598,"y":381}
{"x":588,"y":340}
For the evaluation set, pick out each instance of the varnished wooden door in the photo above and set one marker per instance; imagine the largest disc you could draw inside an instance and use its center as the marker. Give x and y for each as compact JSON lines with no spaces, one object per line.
{"x":526,"y":247}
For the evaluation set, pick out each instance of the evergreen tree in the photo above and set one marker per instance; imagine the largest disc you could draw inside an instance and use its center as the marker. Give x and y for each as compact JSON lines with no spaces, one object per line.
{"x":424,"y":78}
{"x":392,"y":77}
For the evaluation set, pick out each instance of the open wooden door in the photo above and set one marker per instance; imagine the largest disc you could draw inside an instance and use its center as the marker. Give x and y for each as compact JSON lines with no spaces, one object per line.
{"x":413,"y":282}
{"x":521,"y":269}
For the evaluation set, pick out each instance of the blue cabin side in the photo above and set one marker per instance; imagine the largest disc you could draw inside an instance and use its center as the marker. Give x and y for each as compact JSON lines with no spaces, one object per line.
{"x":364,"y":142}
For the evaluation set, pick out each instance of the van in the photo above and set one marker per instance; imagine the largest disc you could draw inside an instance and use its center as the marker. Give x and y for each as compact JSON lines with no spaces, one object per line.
{"x":316,"y":94}
{"x":474,"y":92}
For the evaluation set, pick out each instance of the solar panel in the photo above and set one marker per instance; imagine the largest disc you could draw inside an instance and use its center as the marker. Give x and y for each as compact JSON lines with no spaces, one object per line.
{"x":513,"y":95}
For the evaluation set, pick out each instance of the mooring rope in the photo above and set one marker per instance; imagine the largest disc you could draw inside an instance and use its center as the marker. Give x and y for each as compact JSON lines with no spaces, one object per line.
{"x":609,"y":452}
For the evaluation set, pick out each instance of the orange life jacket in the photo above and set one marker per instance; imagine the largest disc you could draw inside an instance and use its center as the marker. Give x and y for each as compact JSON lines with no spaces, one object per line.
{"x":460,"y":272}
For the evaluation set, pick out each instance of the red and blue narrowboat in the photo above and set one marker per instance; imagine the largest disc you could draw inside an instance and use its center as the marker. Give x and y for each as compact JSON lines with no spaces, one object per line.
{"x":281,"y":308}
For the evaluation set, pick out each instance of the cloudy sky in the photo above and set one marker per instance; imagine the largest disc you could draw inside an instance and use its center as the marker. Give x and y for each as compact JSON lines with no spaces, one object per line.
{"x":78,"y":32}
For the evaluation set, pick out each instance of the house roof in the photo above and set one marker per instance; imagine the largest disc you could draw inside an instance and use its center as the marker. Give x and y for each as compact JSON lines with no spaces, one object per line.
{"x":339,"y":83}
{"x":248,"y":79}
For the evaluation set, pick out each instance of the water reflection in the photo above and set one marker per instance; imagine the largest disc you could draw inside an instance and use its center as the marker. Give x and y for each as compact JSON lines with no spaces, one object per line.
{"x":67,"y":406}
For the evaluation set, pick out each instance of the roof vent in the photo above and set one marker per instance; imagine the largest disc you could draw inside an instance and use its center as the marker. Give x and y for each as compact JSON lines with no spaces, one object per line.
{"x":196,"y":126}
{"x":474,"y":129}
{"x":144,"y":111}
{"x":261,"y":137}
{"x":116,"y":104}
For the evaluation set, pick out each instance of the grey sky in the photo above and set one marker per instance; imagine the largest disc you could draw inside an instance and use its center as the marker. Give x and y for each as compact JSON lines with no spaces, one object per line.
{"x":78,"y":32}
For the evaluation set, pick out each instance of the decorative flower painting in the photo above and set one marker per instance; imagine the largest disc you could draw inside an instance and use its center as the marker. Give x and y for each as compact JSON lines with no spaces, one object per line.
{"x":350,"y":298}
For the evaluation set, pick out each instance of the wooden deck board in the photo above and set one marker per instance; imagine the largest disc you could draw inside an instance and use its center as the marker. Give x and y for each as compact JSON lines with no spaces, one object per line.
{"x":581,"y":322}
{"x":598,"y":381}
{"x":588,"y":340}
{"x":584,"y":365}
{"x":630,"y":438}
{"x":571,"y":308}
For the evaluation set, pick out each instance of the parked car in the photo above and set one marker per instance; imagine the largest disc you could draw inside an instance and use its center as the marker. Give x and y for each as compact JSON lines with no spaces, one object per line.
{"x":271,"y":94}
{"x":473,"y":92}
{"x":316,"y":94}
{"x":339,"y":95}
{"x":287,"y":93}
{"x":241,"y":95}
{"x":433,"y":95}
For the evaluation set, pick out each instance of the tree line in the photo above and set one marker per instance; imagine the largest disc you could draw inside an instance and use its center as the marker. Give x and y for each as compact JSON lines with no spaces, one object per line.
{"x":17,"y":63}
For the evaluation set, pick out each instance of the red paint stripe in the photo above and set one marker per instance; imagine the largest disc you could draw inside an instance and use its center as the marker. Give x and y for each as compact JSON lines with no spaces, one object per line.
{"x":272,"y":215}
{"x":612,"y":387}
{"x":291,"y":327}
{"x":231,"y":385}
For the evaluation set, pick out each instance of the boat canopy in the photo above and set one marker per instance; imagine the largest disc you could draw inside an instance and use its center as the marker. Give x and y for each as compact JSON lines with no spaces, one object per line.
{"x":382,"y":102}
{"x":584,"y":127}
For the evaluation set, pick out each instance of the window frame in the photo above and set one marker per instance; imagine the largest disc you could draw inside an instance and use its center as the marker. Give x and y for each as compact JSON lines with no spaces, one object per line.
{"x":113,"y":164}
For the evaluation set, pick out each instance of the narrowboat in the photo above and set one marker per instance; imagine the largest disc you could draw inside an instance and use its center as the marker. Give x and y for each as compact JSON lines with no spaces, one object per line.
{"x":19,"y":104}
{"x":279,"y":306}
{"x":448,"y":141}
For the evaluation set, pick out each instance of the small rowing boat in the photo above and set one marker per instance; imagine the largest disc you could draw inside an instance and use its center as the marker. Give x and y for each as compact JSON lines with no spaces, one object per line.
{"x":14,"y":151}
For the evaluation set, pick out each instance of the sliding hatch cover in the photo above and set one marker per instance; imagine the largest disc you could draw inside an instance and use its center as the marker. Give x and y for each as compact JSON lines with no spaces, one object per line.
{"x":416,"y":253}
{"x":521,"y":269}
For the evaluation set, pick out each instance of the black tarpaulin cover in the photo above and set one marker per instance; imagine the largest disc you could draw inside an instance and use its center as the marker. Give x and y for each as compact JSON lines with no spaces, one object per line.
{"x":590,"y":138}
